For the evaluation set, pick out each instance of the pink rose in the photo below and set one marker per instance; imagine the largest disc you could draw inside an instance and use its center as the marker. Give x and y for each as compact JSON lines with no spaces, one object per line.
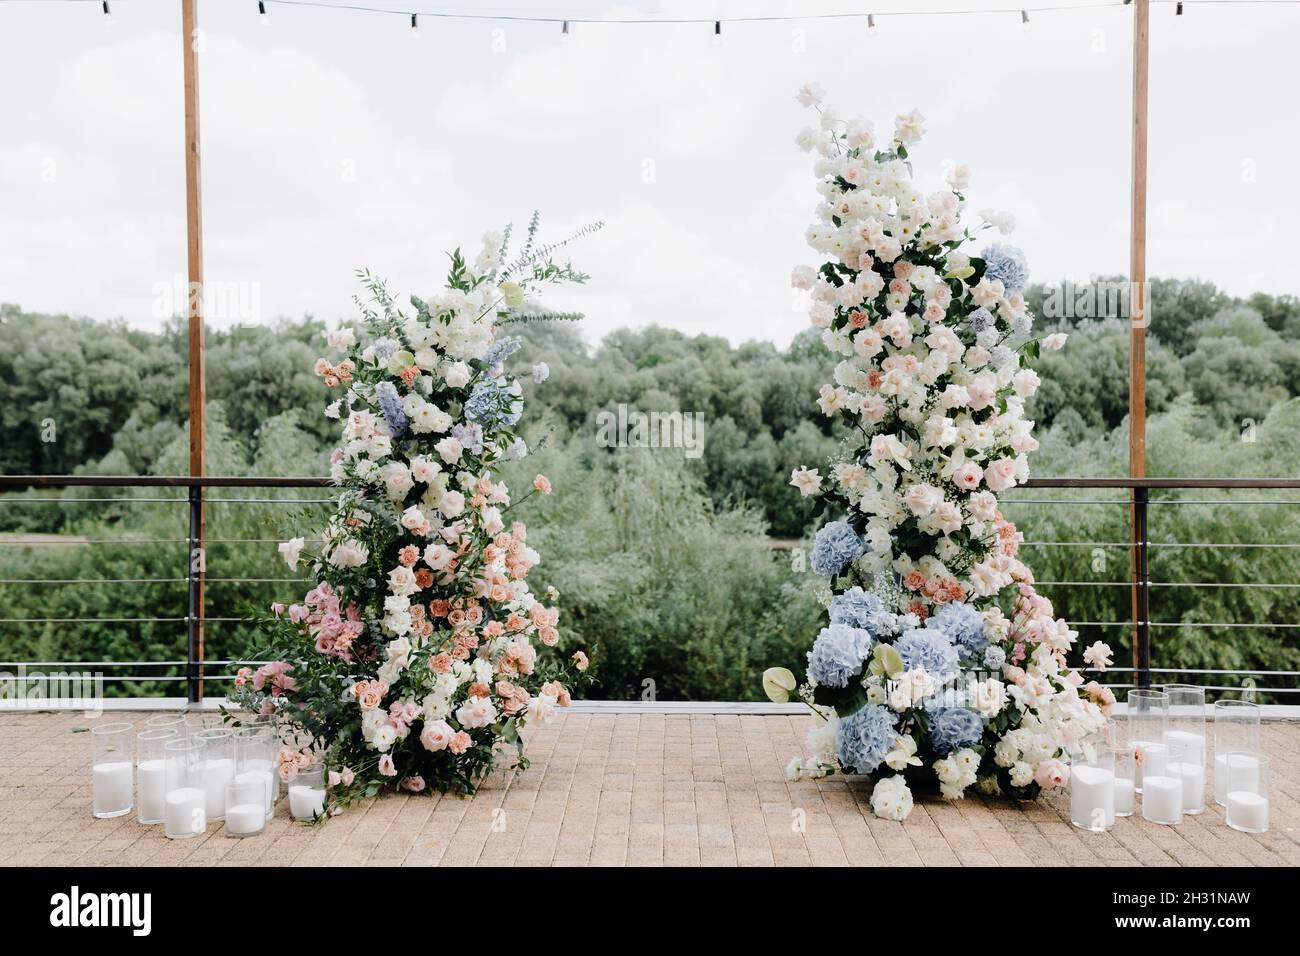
{"x":414,"y":784}
{"x":1051,"y":773}
{"x":542,"y":484}
{"x":460,"y":742}
{"x":436,"y":735}
{"x":968,"y":476}
{"x":387,"y":767}
{"x":1001,"y":474}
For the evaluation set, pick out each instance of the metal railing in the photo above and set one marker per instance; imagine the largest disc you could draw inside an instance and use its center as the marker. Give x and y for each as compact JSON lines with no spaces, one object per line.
{"x":195,"y":667}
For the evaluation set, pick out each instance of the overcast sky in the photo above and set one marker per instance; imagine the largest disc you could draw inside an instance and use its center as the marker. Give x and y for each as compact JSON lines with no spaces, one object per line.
{"x":333,"y":140}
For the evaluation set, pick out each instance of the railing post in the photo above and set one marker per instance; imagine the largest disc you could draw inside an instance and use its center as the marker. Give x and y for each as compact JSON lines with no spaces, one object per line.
{"x":195,"y":566}
{"x":1141,"y":589}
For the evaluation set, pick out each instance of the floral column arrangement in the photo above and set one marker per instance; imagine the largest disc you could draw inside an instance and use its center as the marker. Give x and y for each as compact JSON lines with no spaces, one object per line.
{"x":940,"y":667}
{"x":419,"y":653}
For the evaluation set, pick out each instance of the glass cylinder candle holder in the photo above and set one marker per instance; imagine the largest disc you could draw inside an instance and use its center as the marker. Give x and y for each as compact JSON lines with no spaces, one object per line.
{"x":151,"y":773}
{"x":1247,"y":793}
{"x":1185,"y":738}
{"x":1147,"y":714}
{"x":245,"y":807}
{"x":1236,"y":730}
{"x":112,"y":768}
{"x":218,"y":768}
{"x":255,"y":759}
{"x":307,"y":792}
{"x":1122,"y":758}
{"x":1092,"y":787}
{"x":185,"y":806}
{"x":175,"y":722}
{"x":1162,"y":789}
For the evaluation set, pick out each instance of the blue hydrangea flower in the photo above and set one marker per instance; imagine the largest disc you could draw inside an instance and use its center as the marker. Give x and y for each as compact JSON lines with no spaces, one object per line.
{"x":838,"y":654}
{"x":994,"y":657}
{"x":928,"y":649}
{"x":981,"y":319}
{"x":864,"y":738}
{"x":390,"y":403}
{"x":836,"y":546}
{"x":1007,"y":264}
{"x":954,"y":727}
{"x":470,"y":437}
{"x":864,"y":609}
{"x":963,"y":625}
{"x":384,"y":348}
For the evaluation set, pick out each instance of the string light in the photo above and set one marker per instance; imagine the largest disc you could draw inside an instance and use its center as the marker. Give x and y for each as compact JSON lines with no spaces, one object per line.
{"x":261,"y":11}
{"x":415,"y":25}
{"x":1024,"y":20}
{"x":871,"y":23}
{"x":108,"y":14}
{"x":717,"y":28}
{"x":564,"y":30}
{"x":1178,"y":10}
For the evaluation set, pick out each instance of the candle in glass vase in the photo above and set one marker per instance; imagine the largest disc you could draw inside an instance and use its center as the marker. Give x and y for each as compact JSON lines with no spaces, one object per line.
{"x":1247,"y":803}
{"x":1236,"y":730}
{"x":246,"y":807}
{"x":151,"y":773}
{"x":112,"y":774}
{"x":217,"y":769}
{"x":1092,"y":797}
{"x":1247,"y":811}
{"x":1162,"y":799}
{"x":1243,"y":768}
{"x":1146,"y":712}
{"x":185,"y":814}
{"x":305,"y":802}
{"x":112,"y":788}
{"x":265,"y":781}
{"x":1192,"y":776}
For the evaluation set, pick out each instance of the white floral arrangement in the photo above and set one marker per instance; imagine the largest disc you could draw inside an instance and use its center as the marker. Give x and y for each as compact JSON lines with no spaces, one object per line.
{"x":940,"y":667}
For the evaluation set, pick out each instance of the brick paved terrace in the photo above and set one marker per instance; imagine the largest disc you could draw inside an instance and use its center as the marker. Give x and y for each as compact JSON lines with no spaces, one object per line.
{"x":625,"y":788}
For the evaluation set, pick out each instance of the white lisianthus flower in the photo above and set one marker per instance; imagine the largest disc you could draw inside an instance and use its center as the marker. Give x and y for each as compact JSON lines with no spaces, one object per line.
{"x":890,"y":799}
{"x":385,"y":736}
{"x":291,"y":550}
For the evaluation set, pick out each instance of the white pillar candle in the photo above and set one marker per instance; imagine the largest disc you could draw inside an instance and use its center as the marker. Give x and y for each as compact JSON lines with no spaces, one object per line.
{"x":306,"y":803}
{"x":111,"y":788}
{"x":264,"y":778}
{"x":1162,"y":799}
{"x":151,"y":777}
{"x":1245,"y":775}
{"x":1193,"y":777}
{"x":214,"y":774}
{"x":1092,"y":797}
{"x":185,"y":814}
{"x":1247,"y":811}
{"x":245,"y":819}
{"x":1123,"y":797}
{"x":1185,"y":746}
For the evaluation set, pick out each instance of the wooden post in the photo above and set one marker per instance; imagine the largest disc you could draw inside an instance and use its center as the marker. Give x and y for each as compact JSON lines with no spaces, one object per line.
{"x":197,"y":557}
{"x":1139,"y":318}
